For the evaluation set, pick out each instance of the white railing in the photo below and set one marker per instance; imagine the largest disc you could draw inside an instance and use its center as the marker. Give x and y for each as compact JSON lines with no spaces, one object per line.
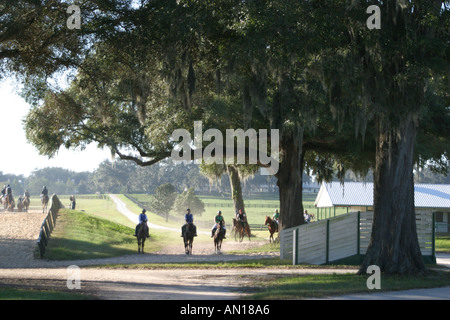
{"x":345,"y":236}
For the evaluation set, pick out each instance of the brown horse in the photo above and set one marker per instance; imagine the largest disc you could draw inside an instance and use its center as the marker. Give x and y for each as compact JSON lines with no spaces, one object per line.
{"x":8,"y":202}
{"x":3,"y":202}
{"x":26,"y":203}
{"x":272,"y":226}
{"x":188,"y":238}
{"x":240,"y":229}
{"x":44,"y":203}
{"x":218,"y":237}
{"x":20,"y":205}
{"x":141,"y":236}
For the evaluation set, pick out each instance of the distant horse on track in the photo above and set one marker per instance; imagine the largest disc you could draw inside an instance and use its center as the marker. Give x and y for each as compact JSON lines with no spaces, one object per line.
{"x":272,"y":226}
{"x":8,"y":202}
{"x":44,"y":203}
{"x":141,"y":236}
{"x":218,"y":237}
{"x":26,"y":203}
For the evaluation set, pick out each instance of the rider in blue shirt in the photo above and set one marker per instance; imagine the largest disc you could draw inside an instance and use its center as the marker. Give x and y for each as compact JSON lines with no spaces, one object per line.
{"x":142,"y":219}
{"x":189,"y":218}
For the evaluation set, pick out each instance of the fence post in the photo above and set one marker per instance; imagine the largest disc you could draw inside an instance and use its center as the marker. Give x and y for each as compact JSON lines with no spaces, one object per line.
{"x":294,"y":246}
{"x":433,"y":236}
{"x":358,"y":243}
{"x":328,"y":242}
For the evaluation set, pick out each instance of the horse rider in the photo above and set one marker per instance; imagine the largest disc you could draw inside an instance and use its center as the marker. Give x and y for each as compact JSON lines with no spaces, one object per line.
{"x":44,"y":192}
{"x":3,"y":192}
{"x":307,"y":216}
{"x":26,"y":194}
{"x":73,"y":202}
{"x":189,"y":218}
{"x":219,"y":219}
{"x":142,"y":219}
{"x":276,"y":218}
{"x":8,"y":192}
{"x":241,"y":217}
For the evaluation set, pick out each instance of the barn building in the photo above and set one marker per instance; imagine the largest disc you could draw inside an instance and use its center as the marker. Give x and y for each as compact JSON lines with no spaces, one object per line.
{"x":358,"y":196}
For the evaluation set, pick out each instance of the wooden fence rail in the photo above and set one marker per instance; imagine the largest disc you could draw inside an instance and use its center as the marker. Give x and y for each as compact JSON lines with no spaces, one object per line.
{"x":347,"y":236}
{"x":49,"y":223}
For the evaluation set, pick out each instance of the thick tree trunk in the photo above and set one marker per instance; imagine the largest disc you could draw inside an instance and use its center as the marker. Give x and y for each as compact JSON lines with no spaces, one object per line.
{"x":290,"y":181}
{"x":394,"y":245}
{"x":236,"y":190}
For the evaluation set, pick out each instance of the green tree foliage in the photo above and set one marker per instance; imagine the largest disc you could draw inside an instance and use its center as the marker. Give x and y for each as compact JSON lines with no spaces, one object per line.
{"x":188,"y":200}
{"x":164,"y":199}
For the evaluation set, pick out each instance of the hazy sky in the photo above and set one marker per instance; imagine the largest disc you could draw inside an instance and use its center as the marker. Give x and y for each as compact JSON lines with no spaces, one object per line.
{"x":17,"y":156}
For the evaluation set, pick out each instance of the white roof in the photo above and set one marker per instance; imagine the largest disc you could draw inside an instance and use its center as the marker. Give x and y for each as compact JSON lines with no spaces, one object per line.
{"x":360,"y":194}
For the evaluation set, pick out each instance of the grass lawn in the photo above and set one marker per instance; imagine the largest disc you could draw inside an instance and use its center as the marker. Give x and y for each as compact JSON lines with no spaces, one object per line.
{"x":31,"y":294}
{"x":318,"y":286}
{"x":443,"y":242}
{"x":80,"y":235}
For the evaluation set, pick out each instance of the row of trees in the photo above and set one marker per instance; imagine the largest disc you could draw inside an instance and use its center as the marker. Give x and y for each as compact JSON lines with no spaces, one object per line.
{"x":340,"y":94}
{"x":128,"y":177}
{"x":57,"y":180}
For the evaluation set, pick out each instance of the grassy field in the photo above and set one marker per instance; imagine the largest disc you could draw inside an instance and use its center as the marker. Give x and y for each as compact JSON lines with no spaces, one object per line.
{"x":318,"y":286}
{"x":443,"y":242}
{"x":106,"y":217}
{"x":27,"y":294}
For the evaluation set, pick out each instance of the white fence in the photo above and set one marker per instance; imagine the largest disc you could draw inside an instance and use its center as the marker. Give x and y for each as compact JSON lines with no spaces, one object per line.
{"x":345,"y":236}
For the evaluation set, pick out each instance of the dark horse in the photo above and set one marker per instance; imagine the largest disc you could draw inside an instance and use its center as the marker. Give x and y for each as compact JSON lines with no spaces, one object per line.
{"x":188,"y":237}
{"x":272,"y":226}
{"x":218,"y":237}
{"x":142,"y":235}
{"x":44,"y":203}
{"x":240,"y":230}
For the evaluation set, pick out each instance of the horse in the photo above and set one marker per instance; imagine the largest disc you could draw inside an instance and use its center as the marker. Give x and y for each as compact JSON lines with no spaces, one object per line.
{"x":240,"y":230}
{"x":218,"y":237}
{"x":3,"y":202}
{"x":141,"y":236}
{"x":26,"y":203}
{"x":8,"y":202}
{"x":44,"y":203}
{"x":272,"y":226}
{"x":20,"y":205}
{"x":188,"y":238}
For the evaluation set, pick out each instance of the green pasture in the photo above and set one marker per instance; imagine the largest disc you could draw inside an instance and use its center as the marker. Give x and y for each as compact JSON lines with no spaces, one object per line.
{"x":102,"y":207}
{"x":443,"y":242}
{"x":320,"y":286}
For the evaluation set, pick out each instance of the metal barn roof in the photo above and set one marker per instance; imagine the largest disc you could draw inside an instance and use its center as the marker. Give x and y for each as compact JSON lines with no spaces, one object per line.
{"x":361,"y":194}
